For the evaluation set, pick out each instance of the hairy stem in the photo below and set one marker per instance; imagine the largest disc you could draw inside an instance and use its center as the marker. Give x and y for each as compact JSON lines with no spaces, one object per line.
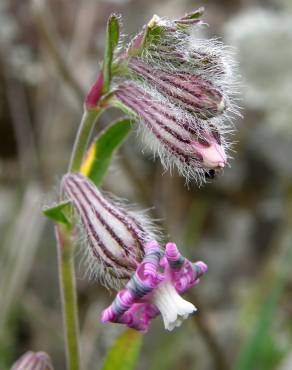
{"x":69,"y":297}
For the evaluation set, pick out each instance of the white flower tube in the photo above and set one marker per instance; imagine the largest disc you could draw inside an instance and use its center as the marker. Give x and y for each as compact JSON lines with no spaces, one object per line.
{"x":173,"y":308}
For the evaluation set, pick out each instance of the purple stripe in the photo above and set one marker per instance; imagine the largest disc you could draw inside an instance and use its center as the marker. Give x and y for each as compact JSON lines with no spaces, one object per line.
{"x":24,"y":360}
{"x":185,"y":157}
{"x":164,"y":87}
{"x":151,"y":125}
{"x":126,"y":248}
{"x":120,"y":260}
{"x":161,"y":108}
{"x":135,"y":229}
{"x":168,"y":145}
{"x":114,"y":261}
{"x":181,"y":123}
{"x":215,"y":133}
{"x":149,"y":109}
{"x":192,"y":80}
{"x":192,"y":96}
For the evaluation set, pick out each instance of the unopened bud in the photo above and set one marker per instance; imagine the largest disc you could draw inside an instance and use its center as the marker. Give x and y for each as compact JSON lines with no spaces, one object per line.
{"x":33,"y":361}
{"x":176,"y":137}
{"x":189,"y":91}
{"x":115,"y":236}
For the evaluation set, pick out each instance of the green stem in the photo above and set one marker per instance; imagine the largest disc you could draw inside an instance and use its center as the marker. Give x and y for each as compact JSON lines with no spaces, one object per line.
{"x":65,"y":251}
{"x":86,"y":126}
{"x":69,"y":297}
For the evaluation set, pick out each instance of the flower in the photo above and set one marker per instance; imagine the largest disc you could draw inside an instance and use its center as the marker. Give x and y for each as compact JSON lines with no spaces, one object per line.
{"x":33,"y":361}
{"x":155,"y":288}
{"x":124,"y":254}
{"x":182,"y":91}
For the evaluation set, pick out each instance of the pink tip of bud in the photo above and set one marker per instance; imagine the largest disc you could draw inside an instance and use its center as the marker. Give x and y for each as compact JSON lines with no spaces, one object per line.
{"x":213,"y":156}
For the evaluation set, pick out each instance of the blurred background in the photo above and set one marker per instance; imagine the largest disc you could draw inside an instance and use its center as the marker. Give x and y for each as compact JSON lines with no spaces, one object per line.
{"x":240,"y":223}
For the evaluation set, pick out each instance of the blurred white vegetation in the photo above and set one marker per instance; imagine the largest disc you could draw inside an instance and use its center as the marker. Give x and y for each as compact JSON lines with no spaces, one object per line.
{"x":263,"y":39}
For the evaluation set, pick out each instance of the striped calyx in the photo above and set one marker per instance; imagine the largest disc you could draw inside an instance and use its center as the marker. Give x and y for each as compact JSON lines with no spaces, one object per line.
{"x":155,"y":289}
{"x":33,"y":361}
{"x":174,"y":135}
{"x":115,"y":237}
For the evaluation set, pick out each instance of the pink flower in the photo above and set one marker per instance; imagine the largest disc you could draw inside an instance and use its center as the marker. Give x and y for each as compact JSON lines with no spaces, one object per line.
{"x":156,"y":288}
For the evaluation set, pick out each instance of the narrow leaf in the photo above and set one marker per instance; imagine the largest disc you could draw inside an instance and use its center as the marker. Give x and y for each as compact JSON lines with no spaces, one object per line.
{"x":56,"y":213}
{"x":197,"y":14}
{"x":151,"y":34}
{"x":125,"y":351}
{"x":112,"y":39}
{"x":100,"y":153}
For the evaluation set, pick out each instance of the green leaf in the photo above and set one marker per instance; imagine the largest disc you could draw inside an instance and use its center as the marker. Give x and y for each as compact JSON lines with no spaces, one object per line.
{"x":272,"y":353}
{"x":197,"y":14}
{"x":112,"y":39}
{"x":101,"y":151}
{"x":96,"y":163}
{"x":56,"y":213}
{"x":124,"y":353}
{"x":151,"y":33}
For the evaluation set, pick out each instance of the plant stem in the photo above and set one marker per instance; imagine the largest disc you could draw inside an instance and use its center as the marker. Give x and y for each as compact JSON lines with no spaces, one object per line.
{"x":86,"y":126}
{"x":63,"y":235}
{"x":68,"y":296}
{"x":65,"y":252}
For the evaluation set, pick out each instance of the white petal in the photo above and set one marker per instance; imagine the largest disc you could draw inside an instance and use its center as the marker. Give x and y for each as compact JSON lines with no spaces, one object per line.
{"x":173,"y":308}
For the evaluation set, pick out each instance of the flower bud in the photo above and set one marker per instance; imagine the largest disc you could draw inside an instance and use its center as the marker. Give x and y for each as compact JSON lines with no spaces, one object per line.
{"x":94,"y":93}
{"x":173,"y":47}
{"x":177,"y":137}
{"x":33,"y":361}
{"x":115,"y":237}
{"x":190,"y":92}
